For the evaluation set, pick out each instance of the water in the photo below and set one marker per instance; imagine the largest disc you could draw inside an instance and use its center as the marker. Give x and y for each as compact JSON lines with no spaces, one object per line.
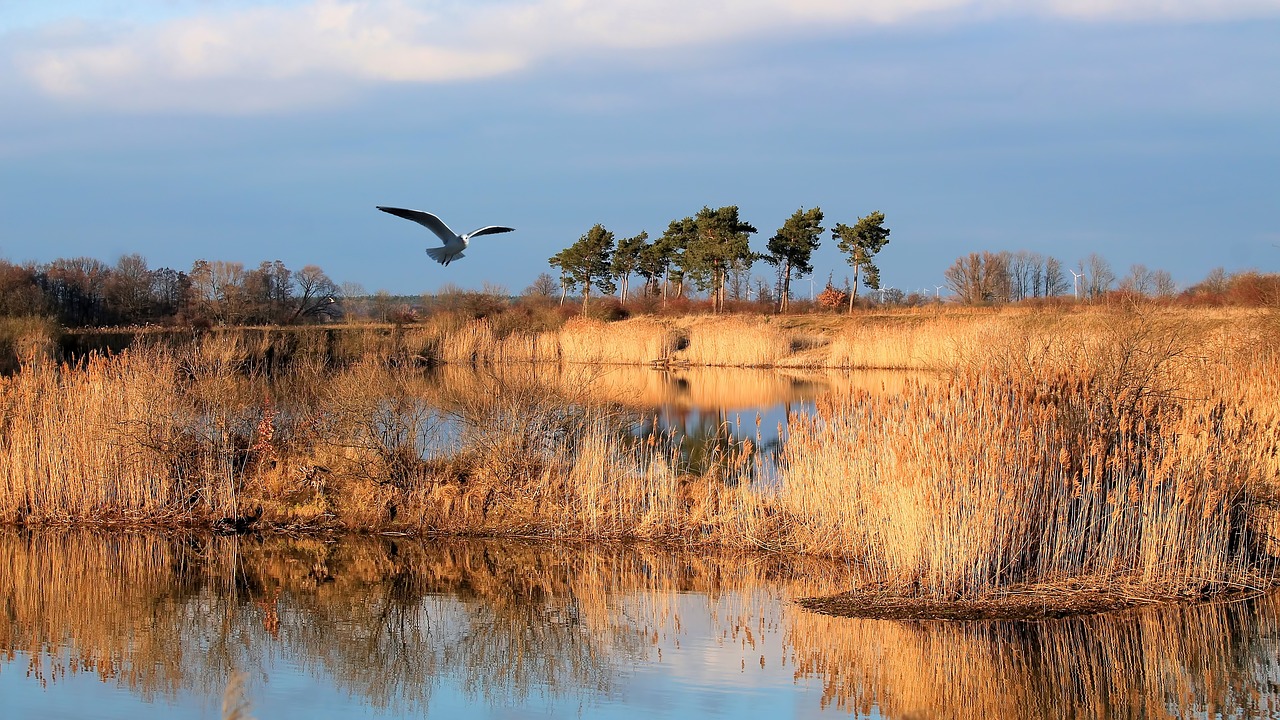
{"x":144,"y":626}
{"x":128,"y":625}
{"x":705,"y":409}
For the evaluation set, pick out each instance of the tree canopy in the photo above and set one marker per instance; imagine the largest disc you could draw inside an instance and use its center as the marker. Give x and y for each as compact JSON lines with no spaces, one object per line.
{"x":587,"y":262}
{"x":861,"y":242}
{"x":721,"y":242}
{"x":791,"y":249}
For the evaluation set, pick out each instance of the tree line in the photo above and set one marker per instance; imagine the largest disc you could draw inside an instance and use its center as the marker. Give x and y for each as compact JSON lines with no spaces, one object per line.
{"x":85,"y":292}
{"x":708,"y":250}
{"x":711,"y":248}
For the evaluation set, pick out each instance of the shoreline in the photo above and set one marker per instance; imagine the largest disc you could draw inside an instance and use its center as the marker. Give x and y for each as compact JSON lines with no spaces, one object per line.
{"x":1104,"y":449}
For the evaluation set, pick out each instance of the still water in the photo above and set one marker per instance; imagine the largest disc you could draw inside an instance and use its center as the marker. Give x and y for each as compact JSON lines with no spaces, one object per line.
{"x":151,"y":626}
{"x":146,"y":626}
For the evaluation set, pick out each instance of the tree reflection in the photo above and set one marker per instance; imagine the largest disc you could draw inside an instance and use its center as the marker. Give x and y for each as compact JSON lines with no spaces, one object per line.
{"x":392,"y":620}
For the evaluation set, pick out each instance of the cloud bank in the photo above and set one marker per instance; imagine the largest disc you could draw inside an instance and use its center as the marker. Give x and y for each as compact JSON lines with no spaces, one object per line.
{"x":242,"y":58}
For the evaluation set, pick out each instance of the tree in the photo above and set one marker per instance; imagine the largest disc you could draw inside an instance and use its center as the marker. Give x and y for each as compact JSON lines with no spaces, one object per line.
{"x":587,"y":262}
{"x":19,"y":293}
{"x":1165,"y":287}
{"x":861,"y":243}
{"x":544,"y":286}
{"x":1055,"y":280}
{"x":318,"y":294}
{"x":1099,"y":277}
{"x":75,"y":289}
{"x":721,"y":241}
{"x":1139,"y":281}
{"x":660,"y":258}
{"x":979,"y":278}
{"x":792,"y":247}
{"x":129,"y":289}
{"x":626,"y":259}
{"x":560,"y":261}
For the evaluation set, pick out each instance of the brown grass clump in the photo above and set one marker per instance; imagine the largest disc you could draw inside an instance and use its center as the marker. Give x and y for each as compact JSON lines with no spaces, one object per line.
{"x":111,"y":441}
{"x":1119,"y":460}
{"x":642,"y":341}
{"x":734,"y":341}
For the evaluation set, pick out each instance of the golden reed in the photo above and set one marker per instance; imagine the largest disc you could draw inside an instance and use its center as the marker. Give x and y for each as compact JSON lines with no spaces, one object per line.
{"x":1132,"y":448}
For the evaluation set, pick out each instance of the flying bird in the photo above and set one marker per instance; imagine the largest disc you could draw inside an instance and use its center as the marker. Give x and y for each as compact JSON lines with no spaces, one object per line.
{"x":454,"y":243}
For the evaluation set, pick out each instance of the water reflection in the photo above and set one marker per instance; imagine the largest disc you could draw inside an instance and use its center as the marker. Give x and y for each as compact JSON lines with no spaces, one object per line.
{"x":401,"y":627}
{"x":709,"y":412}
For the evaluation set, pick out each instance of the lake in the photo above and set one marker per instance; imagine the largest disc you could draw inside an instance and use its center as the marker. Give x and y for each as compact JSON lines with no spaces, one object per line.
{"x":138,"y":625}
{"x":131,"y":625}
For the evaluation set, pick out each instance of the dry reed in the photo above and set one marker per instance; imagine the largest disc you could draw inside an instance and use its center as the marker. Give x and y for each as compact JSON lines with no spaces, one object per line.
{"x":1140,"y":449}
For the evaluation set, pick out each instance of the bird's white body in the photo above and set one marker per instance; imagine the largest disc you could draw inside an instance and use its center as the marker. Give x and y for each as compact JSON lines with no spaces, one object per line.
{"x":454,"y":243}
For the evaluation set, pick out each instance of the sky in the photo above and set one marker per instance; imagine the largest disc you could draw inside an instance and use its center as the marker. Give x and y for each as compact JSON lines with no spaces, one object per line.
{"x":1146,"y":131}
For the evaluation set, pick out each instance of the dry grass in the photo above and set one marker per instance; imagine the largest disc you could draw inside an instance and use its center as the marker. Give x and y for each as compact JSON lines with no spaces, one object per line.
{"x":734,"y":342}
{"x":1099,"y":458}
{"x":1132,"y":448}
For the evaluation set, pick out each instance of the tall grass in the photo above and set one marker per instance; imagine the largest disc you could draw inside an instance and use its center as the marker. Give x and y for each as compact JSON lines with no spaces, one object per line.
{"x":1118,"y":460}
{"x":1140,"y":451}
{"x":735,"y":341}
{"x":26,"y":340}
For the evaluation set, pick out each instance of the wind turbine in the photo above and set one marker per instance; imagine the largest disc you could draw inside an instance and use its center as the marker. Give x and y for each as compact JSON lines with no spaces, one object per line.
{"x":937,"y":292}
{"x":1077,"y":283}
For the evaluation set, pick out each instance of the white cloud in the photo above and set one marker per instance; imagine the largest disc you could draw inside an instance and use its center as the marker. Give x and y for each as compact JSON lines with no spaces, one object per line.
{"x":245,"y":59}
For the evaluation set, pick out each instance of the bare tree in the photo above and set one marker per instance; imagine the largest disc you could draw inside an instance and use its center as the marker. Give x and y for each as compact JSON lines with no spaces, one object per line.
{"x":318,"y":295}
{"x":1099,"y":276}
{"x":544,"y":286}
{"x":979,"y":278}
{"x":1055,"y":280}
{"x":1139,"y":280}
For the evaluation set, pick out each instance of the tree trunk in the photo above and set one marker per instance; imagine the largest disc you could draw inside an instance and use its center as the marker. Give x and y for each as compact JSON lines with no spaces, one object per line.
{"x":784,"y":302}
{"x":854,"y":293}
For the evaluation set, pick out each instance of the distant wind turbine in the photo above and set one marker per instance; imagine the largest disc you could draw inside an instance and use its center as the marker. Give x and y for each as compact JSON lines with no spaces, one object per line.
{"x":454,"y":243}
{"x":937,"y":292}
{"x":1077,"y":277}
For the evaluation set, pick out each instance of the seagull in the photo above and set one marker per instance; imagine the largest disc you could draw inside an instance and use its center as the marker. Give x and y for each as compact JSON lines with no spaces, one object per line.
{"x":454,"y":243}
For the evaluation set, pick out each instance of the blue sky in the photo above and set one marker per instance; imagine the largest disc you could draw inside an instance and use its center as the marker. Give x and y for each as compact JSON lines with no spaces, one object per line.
{"x":1147,"y":131}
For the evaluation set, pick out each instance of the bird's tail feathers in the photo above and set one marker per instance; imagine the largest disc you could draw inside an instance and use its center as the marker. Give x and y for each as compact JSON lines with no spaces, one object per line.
{"x":439,"y":255}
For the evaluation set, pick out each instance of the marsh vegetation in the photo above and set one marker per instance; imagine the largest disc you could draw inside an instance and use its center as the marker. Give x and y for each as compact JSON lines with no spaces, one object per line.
{"x":1132,"y":455}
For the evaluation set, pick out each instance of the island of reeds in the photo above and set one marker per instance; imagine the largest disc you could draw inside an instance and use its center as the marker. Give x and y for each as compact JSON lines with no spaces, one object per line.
{"x":1044,"y":459}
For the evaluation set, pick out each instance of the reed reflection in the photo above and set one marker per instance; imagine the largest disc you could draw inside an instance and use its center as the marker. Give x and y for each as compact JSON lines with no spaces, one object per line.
{"x":392,"y":621}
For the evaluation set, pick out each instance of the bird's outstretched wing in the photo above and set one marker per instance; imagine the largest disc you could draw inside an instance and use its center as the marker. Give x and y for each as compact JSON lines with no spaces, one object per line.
{"x":425,"y":219}
{"x":489,"y":230}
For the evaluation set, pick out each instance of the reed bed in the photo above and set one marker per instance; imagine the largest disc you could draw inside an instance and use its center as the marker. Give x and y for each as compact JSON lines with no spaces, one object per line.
{"x":1096,"y":460}
{"x":1141,"y":451}
{"x":641,"y":341}
{"x":734,"y":342}
{"x":913,"y":343}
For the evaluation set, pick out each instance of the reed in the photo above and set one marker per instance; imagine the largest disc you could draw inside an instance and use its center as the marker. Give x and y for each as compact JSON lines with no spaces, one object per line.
{"x":25,"y":341}
{"x":1120,"y":458}
{"x":1130,"y":448}
{"x":641,"y":341}
{"x":734,"y":342}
